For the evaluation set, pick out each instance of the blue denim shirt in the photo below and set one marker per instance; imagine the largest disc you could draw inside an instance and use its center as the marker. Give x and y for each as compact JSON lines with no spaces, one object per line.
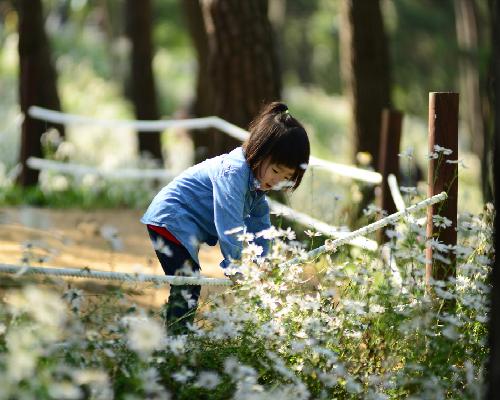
{"x":208,"y":199}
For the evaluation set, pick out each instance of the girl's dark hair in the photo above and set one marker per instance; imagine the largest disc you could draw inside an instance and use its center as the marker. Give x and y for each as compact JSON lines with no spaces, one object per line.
{"x":276,"y":134}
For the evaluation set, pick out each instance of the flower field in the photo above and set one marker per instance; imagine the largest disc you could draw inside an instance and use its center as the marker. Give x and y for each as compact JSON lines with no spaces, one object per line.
{"x":353,"y":328}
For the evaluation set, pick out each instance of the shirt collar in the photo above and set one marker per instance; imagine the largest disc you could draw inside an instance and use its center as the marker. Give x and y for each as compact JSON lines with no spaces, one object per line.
{"x":253,"y":182}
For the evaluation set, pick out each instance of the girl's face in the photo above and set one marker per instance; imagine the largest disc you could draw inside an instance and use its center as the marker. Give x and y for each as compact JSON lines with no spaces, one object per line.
{"x":275,"y":176}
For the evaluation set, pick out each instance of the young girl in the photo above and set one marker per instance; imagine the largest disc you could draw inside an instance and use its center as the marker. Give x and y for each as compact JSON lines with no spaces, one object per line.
{"x":220,"y":194}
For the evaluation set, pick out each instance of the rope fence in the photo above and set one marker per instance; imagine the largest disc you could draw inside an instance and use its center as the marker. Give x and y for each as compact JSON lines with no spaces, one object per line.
{"x":320,"y":226}
{"x":117,"y":276}
{"x":234,"y":131}
{"x":328,"y":247}
{"x":332,"y":245}
{"x":398,"y":199}
{"x":82,"y":170}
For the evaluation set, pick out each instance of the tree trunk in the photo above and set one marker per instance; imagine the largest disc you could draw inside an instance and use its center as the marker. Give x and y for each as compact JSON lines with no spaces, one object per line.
{"x":365,"y":66}
{"x":37,"y":83}
{"x":470,"y":84}
{"x":201,"y":106}
{"x":142,"y":83}
{"x":493,"y":370}
{"x":242,"y":62}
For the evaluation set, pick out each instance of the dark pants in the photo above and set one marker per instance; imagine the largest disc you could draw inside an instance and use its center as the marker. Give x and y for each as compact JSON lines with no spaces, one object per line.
{"x":177,"y":261}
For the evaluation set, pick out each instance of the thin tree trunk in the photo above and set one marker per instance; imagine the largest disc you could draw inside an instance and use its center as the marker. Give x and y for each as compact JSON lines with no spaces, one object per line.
{"x":242,"y":63}
{"x":493,"y":371}
{"x":366,"y":71}
{"x":470,"y":84}
{"x":37,"y":83}
{"x":201,"y":105}
{"x":142,"y":83}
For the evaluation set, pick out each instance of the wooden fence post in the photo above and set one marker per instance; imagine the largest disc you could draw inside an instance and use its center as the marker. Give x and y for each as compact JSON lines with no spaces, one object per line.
{"x":390,"y":137}
{"x":443,"y":176}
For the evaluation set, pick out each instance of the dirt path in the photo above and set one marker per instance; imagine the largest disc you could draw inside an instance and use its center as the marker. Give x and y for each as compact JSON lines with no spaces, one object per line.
{"x":77,"y":239}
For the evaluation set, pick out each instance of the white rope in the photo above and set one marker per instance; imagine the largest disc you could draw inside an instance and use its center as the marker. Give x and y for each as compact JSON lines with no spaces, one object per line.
{"x":329,"y":246}
{"x":80,"y":170}
{"x":395,"y":193}
{"x":120,"y":276}
{"x":194,"y":123}
{"x":389,"y":259}
{"x":320,"y":226}
{"x":332,"y":245}
{"x":398,"y":199}
{"x":347,"y":171}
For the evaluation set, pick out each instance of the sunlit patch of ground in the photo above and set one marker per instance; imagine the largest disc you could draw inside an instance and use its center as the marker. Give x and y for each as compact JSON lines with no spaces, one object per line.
{"x":74,"y":239}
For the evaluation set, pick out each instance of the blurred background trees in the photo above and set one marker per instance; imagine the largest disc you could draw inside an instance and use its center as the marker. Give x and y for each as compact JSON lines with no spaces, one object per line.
{"x":227,"y":57}
{"x":37,"y":81}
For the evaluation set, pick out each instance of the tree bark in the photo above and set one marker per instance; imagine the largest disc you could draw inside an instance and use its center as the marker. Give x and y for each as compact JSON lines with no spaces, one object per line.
{"x":365,"y":66}
{"x":471,"y":86}
{"x":493,"y":369}
{"x":142,"y":82}
{"x":37,"y":83}
{"x":203,"y":140}
{"x":243,"y":66}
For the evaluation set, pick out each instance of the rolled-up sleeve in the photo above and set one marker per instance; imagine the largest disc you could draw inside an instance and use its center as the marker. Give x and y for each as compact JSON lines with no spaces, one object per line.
{"x":258,"y":221}
{"x":229,"y":199}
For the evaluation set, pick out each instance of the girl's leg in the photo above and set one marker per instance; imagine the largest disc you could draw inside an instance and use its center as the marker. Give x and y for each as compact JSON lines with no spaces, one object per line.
{"x":183,"y":299}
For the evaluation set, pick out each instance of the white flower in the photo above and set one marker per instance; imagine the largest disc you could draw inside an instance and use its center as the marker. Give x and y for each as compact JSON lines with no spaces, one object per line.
{"x":451,"y":333}
{"x":462,"y":251}
{"x":189,"y":298}
{"x":444,"y":294}
{"x":144,"y":334}
{"x":252,"y":250}
{"x":329,"y":379}
{"x":439,"y":246}
{"x":444,"y":150}
{"x":288,"y":233}
{"x":177,"y":344}
{"x":90,"y":376}
{"x":269,"y":234}
{"x":64,"y":390}
{"x":110,"y":233}
{"x":59,"y":183}
{"x":408,"y":189}
{"x":459,"y":162}
{"x":245,"y":237}
{"x":483,"y":260}
{"x":24,"y":350}
{"x":65,"y":150}
{"x":372,"y":209}
{"x":352,"y":386}
{"x":312,"y":233}
{"x":408,"y":153}
{"x":160,"y":246}
{"x":42,"y":305}
{"x":207,"y":380}
{"x":51,"y":138}
{"x":391,"y":234}
{"x":441,"y":222}
{"x":183,"y":375}
{"x":376,"y":309}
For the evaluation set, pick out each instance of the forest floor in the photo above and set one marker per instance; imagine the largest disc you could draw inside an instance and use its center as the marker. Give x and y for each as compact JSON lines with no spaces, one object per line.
{"x":77,"y":239}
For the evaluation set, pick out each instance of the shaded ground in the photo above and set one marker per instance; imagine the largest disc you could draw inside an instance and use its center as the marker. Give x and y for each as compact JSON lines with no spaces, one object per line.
{"x":77,"y":239}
